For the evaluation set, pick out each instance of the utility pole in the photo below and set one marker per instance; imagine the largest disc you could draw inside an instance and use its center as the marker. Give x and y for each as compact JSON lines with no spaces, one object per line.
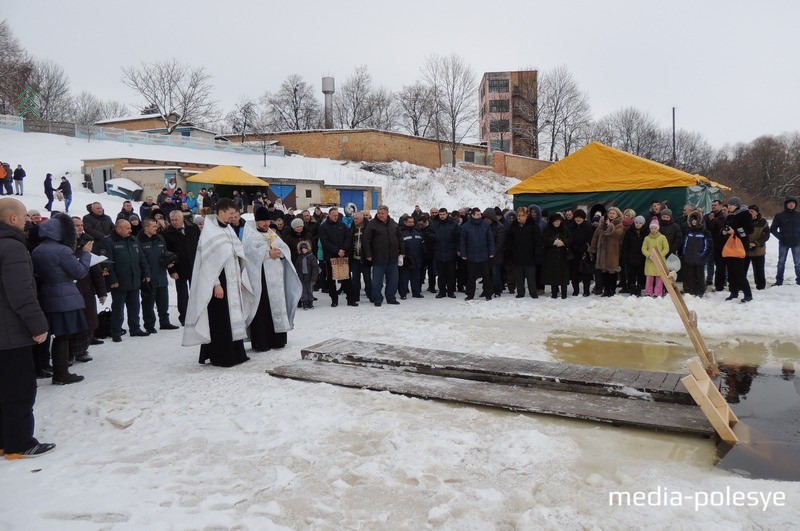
{"x":673,"y":138}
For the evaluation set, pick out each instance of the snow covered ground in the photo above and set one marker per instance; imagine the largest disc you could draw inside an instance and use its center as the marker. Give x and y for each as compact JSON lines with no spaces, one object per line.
{"x":152,"y":440}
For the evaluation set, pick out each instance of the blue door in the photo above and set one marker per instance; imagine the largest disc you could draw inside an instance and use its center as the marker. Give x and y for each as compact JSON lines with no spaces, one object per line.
{"x":375,"y":199}
{"x":352,"y":196}
{"x":281,"y":190}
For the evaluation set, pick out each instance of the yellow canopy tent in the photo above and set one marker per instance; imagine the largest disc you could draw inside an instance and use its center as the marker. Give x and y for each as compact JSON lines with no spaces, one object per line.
{"x":225,"y":179}
{"x":227,"y":175}
{"x":599,"y":174}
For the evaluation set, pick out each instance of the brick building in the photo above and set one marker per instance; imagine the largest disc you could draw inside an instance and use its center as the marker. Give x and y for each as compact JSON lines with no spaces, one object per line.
{"x":507,"y":111}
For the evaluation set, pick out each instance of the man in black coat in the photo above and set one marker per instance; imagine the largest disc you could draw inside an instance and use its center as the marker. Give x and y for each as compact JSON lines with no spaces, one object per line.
{"x":129,"y":267}
{"x":739,"y":224}
{"x":359,"y":266}
{"x":445,"y":235}
{"x":96,"y":223}
{"x":181,"y":239}
{"x":382,"y":246}
{"x":523,"y":244}
{"x":146,"y":210}
{"x":334,"y":236}
{"x":22,"y":325}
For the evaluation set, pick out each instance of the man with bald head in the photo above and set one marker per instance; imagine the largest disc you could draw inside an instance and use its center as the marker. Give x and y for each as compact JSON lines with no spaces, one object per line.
{"x":181,"y":238}
{"x":96,"y":223}
{"x":129,"y":266}
{"x":22,"y":325}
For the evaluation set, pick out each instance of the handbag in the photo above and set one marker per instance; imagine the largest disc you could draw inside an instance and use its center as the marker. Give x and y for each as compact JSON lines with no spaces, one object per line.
{"x":340,"y":268}
{"x":59,"y":195}
{"x":585,"y":266}
{"x":103,"y":324}
{"x":733,"y":248}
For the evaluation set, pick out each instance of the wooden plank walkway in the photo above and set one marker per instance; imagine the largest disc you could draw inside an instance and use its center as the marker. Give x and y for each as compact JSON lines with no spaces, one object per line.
{"x":660,"y":386}
{"x":661,"y":416}
{"x":647,"y":399}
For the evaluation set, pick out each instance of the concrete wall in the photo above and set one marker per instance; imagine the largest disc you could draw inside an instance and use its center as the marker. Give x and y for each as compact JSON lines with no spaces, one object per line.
{"x":517,"y":166}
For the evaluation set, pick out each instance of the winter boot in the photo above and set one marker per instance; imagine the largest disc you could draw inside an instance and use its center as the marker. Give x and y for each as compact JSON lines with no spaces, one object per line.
{"x":60,"y":353}
{"x":575,"y":288}
{"x":554,"y":292}
{"x":586,"y":291}
{"x":564,"y":291}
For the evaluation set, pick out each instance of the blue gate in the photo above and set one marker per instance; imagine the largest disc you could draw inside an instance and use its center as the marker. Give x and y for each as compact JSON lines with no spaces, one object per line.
{"x":352,"y":196}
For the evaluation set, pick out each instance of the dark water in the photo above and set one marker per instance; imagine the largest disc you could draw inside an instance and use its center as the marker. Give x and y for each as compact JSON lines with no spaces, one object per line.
{"x":757,"y":379}
{"x":767,"y":401}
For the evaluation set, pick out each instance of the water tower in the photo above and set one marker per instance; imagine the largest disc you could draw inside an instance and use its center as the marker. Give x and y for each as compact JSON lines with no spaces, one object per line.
{"x":328,"y":89}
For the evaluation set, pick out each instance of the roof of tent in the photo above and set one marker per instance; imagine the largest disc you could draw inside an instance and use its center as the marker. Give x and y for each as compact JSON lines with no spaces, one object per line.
{"x":227,"y":175}
{"x":599,"y":168}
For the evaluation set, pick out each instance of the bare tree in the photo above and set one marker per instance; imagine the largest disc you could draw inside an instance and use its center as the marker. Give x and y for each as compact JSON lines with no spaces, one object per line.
{"x":454,"y":87}
{"x":384,"y":110}
{"x":243,"y":116}
{"x":564,"y":110}
{"x":52,"y":85}
{"x":87,"y":109}
{"x":176,"y":91}
{"x":694,"y":153}
{"x":417,"y":108}
{"x":263,"y":122}
{"x":15,"y":69}
{"x":114,"y":109}
{"x":294,"y":106}
{"x":634,"y":131}
{"x":352,"y":103}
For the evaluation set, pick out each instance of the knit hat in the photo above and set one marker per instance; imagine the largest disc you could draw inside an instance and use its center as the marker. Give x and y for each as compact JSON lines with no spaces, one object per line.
{"x":735,"y":202}
{"x":262,"y":214}
{"x":297,"y":222}
{"x":666,"y":212}
{"x":754,"y":207}
{"x":639,"y":219}
{"x":655,"y":223}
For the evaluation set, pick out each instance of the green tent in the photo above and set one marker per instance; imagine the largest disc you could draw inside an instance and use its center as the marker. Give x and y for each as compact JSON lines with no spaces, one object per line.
{"x":598,"y":174}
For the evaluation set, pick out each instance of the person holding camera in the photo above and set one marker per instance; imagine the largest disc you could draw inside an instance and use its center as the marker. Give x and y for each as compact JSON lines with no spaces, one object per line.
{"x":92,"y":288}
{"x":155,"y":292}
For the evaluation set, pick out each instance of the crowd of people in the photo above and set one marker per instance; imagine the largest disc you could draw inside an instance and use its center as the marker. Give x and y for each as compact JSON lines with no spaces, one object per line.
{"x":250,"y":278}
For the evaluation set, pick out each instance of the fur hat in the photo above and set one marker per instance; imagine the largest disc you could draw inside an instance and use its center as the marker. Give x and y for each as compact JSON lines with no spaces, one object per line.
{"x":579,"y":213}
{"x":639,"y":219}
{"x":297,"y":222}
{"x":303,"y":244}
{"x":553,"y":217}
{"x":695,"y":215}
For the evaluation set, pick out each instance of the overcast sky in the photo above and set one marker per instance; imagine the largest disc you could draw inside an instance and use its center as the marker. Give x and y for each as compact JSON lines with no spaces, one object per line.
{"x":730,"y":67}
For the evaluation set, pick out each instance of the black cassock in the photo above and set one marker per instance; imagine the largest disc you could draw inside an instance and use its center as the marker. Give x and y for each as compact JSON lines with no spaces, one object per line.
{"x":262,"y":329}
{"x":223,"y":351}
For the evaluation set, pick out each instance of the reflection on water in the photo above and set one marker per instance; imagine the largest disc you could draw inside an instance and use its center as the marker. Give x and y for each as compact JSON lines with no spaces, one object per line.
{"x":757,"y":379}
{"x":669,"y":354}
{"x":767,"y":401}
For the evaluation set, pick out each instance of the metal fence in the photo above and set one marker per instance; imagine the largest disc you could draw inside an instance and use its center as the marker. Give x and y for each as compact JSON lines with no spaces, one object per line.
{"x":94,"y":132}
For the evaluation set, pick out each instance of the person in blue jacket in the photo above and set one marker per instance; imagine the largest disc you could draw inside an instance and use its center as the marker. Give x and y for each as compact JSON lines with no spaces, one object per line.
{"x":695,"y":252}
{"x":477,"y":249}
{"x":412,"y":259}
